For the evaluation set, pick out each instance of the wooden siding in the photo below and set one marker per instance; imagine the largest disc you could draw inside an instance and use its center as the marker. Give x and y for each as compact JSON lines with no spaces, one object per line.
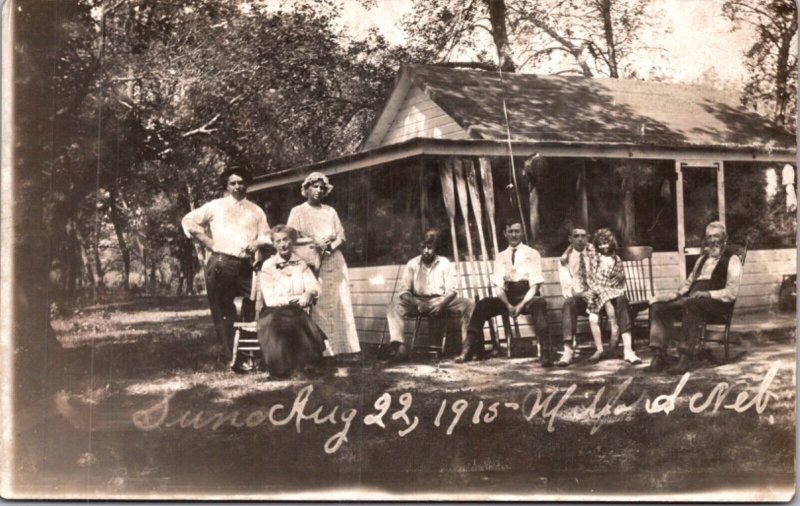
{"x":419,"y":116}
{"x":372,"y":287}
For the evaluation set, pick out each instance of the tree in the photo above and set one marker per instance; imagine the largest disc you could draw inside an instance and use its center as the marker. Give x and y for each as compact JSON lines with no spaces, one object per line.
{"x":36,"y":349}
{"x":771,"y":61}
{"x":145,"y":90}
{"x":600,"y":36}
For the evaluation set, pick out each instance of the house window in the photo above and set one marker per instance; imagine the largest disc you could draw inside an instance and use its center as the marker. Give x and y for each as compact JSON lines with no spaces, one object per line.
{"x":635,"y":199}
{"x":755,"y":206}
{"x":650,"y":218}
{"x":385,"y":210}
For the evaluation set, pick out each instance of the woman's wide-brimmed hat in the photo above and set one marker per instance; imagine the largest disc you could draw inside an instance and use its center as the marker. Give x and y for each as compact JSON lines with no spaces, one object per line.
{"x":313,"y":178}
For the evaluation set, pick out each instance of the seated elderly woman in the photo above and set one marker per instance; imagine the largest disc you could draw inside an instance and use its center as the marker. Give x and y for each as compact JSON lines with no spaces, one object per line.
{"x":290,"y":340}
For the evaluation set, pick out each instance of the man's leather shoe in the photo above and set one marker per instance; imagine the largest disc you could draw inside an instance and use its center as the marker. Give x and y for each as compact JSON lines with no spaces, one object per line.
{"x":400,"y":353}
{"x":659,"y":362}
{"x":468,"y":353}
{"x":684,"y":365}
{"x":546,"y":360}
{"x":464,"y":357}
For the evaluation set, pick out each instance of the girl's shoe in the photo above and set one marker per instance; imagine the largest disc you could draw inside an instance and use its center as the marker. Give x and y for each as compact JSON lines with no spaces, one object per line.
{"x":632,"y":358}
{"x":596,"y":357}
{"x":566,"y":358}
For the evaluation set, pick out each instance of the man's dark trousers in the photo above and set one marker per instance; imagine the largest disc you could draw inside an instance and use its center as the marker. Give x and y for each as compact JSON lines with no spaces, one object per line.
{"x":691,"y":312}
{"x":227,"y":277}
{"x":493,"y":306}
{"x":573,"y":306}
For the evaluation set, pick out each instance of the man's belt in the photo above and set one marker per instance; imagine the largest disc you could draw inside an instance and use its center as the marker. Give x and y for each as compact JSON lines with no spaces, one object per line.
{"x":231,"y":257}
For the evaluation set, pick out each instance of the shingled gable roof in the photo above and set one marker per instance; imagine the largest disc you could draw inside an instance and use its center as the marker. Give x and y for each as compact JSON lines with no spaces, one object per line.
{"x":588,"y":110}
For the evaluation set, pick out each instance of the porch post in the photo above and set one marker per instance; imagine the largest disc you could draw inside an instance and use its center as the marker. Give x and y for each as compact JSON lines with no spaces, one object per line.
{"x":679,"y":208}
{"x":721,"y":190}
{"x":583,"y":200}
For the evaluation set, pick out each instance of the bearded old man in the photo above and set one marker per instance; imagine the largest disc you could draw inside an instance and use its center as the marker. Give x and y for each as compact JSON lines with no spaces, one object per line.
{"x":710,"y":289}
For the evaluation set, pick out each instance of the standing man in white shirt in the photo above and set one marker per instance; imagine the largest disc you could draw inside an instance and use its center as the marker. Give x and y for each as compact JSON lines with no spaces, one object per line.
{"x":428,"y":288}
{"x":710,"y":289}
{"x":233,"y":229}
{"x":517,"y":279}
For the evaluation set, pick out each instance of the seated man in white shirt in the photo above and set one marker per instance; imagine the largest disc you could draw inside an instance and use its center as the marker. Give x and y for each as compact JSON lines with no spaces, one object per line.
{"x":710,"y":289}
{"x":517,"y":279}
{"x":574,"y":279}
{"x":232,"y":228}
{"x":428,"y":288}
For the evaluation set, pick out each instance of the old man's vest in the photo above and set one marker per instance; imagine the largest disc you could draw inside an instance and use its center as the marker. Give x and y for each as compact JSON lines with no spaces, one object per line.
{"x":719,"y":276}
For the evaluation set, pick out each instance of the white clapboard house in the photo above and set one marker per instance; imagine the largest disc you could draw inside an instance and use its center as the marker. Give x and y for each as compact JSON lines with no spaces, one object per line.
{"x":653,"y":161}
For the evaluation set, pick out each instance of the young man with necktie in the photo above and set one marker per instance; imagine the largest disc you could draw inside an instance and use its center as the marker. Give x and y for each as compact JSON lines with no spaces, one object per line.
{"x":574,"y":278}
{"x":517,"y":280}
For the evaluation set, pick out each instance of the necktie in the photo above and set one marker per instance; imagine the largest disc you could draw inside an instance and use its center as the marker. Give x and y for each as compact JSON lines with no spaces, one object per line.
{"x":581,"y":272}
{"x":513,"y":256}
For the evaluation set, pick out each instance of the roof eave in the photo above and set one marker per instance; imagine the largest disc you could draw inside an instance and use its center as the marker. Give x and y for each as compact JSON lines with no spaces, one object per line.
{"x":470,"y":147}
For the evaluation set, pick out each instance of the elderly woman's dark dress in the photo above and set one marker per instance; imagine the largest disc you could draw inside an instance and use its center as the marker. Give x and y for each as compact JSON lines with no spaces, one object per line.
{"x":289,"y":339}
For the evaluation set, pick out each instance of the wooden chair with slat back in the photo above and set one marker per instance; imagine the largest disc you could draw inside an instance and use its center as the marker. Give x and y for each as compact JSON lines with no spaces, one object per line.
{"x":723,"y":320}
{"x":637,"y":263}
{"x":245,"y":338}
{"x":437,"y":333}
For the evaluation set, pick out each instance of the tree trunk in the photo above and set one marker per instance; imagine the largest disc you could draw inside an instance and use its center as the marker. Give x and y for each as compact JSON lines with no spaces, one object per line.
{"x":87,"y":264}
{"x":608,"y":31}
{"x":36,"y":351}
{"x":116,"y":220}
{"x":153,"y":283}
{"x":98,"y":264}
{"x":497,"y":17}
{"x":782,"y":78}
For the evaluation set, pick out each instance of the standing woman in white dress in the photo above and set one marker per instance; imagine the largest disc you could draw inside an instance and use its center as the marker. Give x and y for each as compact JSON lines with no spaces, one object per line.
{"x":334,"y":310}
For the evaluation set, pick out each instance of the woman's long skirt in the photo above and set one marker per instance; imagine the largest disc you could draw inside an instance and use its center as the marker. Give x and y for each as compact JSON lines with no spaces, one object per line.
{"x":334,"y":309}
{"x":289,"y":339}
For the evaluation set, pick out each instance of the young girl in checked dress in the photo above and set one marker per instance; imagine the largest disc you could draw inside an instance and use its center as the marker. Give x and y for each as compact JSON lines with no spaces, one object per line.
{"x":607,"y":291}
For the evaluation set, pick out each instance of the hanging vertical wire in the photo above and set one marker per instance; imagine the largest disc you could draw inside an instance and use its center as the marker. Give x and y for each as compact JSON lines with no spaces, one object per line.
{"x":511,"y":155}
{"x":101,"y":95}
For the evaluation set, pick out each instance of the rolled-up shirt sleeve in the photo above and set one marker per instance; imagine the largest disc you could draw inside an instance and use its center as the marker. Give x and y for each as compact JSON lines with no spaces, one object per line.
{"x":734,"y":279}
{"x":197,"y":220}
{"x":407,"y":281}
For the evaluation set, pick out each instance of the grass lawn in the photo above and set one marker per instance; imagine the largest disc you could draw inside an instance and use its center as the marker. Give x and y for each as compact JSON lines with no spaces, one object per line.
{"x":141,"y":411}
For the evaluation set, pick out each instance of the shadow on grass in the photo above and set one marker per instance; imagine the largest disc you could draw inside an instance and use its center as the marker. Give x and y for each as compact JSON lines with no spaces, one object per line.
{"x":101,"y":449}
